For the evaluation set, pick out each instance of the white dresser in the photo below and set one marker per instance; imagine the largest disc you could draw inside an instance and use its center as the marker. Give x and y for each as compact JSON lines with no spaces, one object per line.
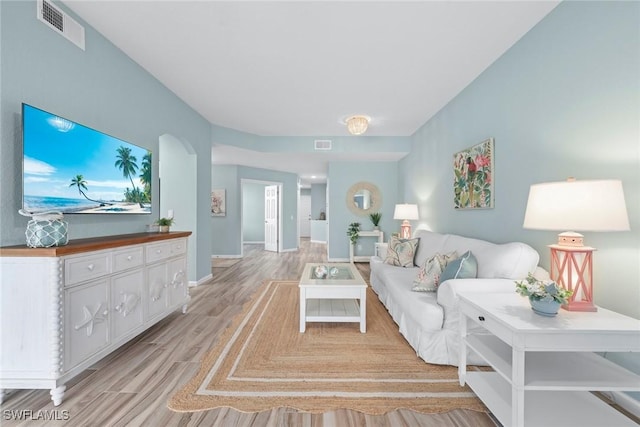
{"x":62,"y":309}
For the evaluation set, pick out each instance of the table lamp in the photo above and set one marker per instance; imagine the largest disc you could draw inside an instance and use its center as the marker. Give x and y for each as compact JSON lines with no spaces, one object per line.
{"x":406,"y":212}
{"x":596,"y":205}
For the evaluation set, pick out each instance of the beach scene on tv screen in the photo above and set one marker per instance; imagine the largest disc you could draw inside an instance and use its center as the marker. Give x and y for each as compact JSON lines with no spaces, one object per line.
{"x":71,"y":168}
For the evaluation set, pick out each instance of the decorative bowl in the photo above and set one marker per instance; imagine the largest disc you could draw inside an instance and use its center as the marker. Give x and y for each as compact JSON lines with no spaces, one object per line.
{"x":321,"y":271}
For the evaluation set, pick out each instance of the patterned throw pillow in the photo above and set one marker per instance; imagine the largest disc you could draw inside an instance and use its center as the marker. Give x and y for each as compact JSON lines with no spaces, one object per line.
{"x":428,"y":277}
{"x":465,"y":267}
{"x":401,"y":252}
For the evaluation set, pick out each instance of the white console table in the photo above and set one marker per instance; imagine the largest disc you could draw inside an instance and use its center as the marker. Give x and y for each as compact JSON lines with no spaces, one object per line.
{"x":545,"y":367}
{"x":373,"y":233}
{"x":64,"y":308}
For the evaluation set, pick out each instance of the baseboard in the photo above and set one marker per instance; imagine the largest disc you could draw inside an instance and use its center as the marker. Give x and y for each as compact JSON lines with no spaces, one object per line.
{"x":338,"y":259}
{"x":246,"y":242}
{"x":226,"y":256}
{"x":318,"y":241}
{"x":290,"y":250}
{"x":199,"y":282}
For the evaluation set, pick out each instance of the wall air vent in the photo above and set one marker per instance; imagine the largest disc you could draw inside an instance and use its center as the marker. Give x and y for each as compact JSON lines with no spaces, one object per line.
{"x":322,"y":144}
{"x":60,"y":22}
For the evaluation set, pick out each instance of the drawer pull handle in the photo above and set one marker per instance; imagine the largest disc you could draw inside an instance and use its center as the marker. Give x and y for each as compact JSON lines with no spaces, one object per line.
{"x":129,"y":258}
{"x":481,"y":318}
{"x":158,"y":251}
{"x":90,"y":267}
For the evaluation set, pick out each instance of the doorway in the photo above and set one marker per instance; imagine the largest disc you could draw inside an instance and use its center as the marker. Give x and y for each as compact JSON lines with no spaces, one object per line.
{"x":261,"y":221}
{"x":304,"y":215}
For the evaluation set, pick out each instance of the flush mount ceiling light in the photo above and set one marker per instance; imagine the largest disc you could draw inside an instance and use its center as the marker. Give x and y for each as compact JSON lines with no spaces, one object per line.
{"x":357,"y":125}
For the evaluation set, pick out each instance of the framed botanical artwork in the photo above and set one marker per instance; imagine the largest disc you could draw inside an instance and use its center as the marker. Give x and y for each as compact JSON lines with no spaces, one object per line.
{"x":218,"y":203}
{"x":473,"y":177}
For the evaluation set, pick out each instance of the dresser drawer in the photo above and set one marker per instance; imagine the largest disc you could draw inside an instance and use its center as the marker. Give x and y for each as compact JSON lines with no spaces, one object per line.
{"x":158,"y":251}
{"x":486,"y":321}
{"x":79,"y":269}
{"x":129,"y":258}
{"x":179,"y":247}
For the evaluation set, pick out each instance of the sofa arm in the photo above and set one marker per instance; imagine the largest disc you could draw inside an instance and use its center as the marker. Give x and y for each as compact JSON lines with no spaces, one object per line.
{"x":448,"y":295}
{"x":381,"y":250}
{"x":448,"y":290}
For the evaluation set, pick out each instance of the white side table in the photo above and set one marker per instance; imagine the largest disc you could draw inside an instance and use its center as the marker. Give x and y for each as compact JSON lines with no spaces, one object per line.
{"x":373,"y":233}
{"x":544,"y":367}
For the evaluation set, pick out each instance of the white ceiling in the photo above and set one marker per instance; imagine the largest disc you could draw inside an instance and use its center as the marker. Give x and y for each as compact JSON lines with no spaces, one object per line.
{"x":300,"y":68}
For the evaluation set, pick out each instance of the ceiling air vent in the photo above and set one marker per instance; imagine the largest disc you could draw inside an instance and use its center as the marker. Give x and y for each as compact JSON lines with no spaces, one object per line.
{"x":60,"y":22}
{"x":322,"y":144}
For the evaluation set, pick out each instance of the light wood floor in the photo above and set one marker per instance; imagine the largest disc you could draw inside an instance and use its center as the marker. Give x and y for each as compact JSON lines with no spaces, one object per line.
{"x":132,"y":385}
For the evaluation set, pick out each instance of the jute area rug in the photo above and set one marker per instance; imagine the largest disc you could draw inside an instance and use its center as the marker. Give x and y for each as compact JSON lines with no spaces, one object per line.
{"x":262,"y":361}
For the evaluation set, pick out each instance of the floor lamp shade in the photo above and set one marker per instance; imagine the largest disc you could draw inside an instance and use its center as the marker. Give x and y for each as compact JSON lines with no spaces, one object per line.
{"x":576,"y":206}
{"x":406,"y":212}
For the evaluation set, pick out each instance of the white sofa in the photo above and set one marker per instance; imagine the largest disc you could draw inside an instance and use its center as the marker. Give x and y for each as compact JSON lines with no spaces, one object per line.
{"x":429,"y":320}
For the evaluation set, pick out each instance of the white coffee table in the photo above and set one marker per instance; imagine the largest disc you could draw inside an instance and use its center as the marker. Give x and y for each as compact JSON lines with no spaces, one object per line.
{"x":545,"y":367}
{"x":342,"y":298}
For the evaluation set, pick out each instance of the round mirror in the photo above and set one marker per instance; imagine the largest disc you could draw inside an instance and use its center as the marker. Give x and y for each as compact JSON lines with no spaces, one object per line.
{"x":363,"y":198}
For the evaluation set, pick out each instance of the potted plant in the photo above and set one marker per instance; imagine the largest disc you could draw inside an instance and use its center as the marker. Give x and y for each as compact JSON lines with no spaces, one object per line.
{"x":164,"y":224}
{"x":353,"y":232}
{"x":545,"y":296}
{"x":375,"y":219}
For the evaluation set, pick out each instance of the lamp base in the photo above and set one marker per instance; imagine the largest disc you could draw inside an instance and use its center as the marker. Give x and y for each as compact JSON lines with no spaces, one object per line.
{"x":572,"y":268}
{"x":580,"y":306}
{"x":405,"y":230}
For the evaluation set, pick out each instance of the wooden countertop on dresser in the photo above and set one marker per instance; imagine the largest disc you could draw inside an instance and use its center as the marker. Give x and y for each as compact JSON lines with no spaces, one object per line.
{"x":90,"y":244}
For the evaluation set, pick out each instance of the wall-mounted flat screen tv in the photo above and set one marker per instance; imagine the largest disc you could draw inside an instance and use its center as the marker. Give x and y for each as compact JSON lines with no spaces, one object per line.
{"x":70,"y":168}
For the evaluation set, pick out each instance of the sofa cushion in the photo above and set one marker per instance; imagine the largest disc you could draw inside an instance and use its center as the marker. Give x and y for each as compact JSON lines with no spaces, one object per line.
{"x":401,"y":252}
{"x":430,"y":244}
{"x":428,"y":277}
{"x":464,"y":267}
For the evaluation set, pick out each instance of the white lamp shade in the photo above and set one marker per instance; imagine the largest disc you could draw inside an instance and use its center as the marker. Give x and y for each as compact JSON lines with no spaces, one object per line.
{"x":406,"y":211}
{"x":577,"y":206}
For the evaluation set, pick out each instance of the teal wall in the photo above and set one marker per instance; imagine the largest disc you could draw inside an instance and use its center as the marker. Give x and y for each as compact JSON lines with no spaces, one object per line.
{"x":252,"y":212}
{"x":343,"y":175}
{"x":225,"y":230}
{"x":318,"y":200}
{"x":564,"y":101}
{"x":101,"y":88}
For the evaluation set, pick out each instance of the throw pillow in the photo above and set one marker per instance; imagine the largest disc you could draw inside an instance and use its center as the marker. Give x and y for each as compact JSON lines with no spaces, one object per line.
{"x":465,"y":267}
{"x":428,"y":277}
{"x":401,"y":252}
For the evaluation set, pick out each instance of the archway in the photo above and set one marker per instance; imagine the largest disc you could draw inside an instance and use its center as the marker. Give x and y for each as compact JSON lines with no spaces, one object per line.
{"x":177,"y":174}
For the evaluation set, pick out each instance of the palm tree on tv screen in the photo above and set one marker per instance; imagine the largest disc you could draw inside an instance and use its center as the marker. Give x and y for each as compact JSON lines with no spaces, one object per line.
{"x":127,"y":164}
{"x":81,"y":183}
{"x":145,"y":176}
